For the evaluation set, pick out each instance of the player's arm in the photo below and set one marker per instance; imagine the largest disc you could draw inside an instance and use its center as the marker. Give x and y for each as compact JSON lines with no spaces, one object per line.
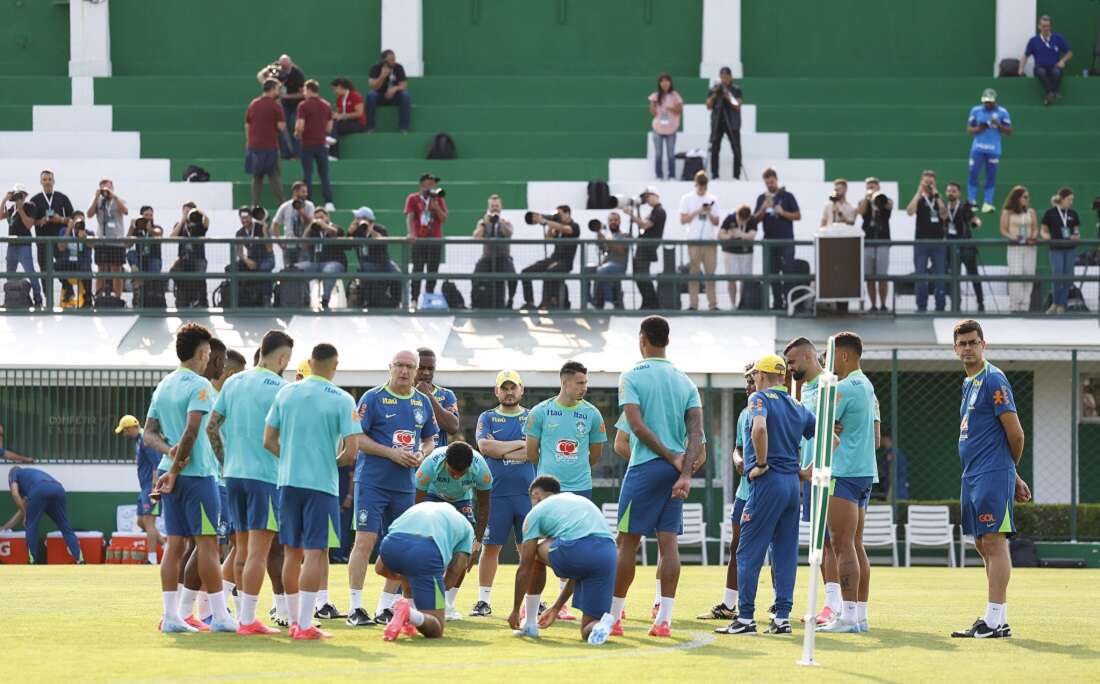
{"x":20,"y":507}
{"x":878,"y":434}
{"x":153,"y":438}
{"x":645,"y":435}
{"x":760,"y":444}
{"x":532,"y":450}
{"x":458,"y":567}
{"x":447,"y":419}
{"x":181,"y":453}
{"x":528,"y":552}
{"x":622,"y":444}
{"x":595,"y":453}
{"x":349,"y":450}
{"x":549,"y":615}
{"x":427,"y":445}
{"x":694,"y":456}
{"x":271,"y":439}
{"x":214,"y":434}
{"x":421,"y":495}
{"x":1014,"y":434}
{"x":483,"y":504}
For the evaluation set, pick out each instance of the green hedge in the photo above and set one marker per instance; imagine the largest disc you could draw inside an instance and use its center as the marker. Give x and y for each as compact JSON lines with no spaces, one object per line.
{"x":1048,"y":522}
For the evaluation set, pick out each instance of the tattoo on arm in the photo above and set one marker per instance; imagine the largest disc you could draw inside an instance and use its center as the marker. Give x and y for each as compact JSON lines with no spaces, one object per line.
{"x":214,"y":434}
{"x":694,"y":420}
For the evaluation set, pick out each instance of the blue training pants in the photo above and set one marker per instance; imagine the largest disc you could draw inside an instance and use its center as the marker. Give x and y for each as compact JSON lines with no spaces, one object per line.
{"x":770,"y":518}
{"x":49,"y":498}
{"x":978,"y":160}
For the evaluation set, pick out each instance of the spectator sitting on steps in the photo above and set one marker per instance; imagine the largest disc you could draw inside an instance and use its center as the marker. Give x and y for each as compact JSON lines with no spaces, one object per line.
{"x":388,"y":86}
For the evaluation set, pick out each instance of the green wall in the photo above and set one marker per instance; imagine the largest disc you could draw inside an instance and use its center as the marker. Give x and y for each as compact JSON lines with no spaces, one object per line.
{"x":562,"y":37}
{"x":785,"y":38}
{"x":1078,"y":21}
{"x":224,"y":37}
{"x":35,"y":38}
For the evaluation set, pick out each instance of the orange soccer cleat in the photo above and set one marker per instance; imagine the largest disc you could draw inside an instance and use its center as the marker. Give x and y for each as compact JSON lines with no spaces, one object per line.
{"x":660,"y":630}
{"x":310,"y":633}
{"x":396,"y":626}
{"x":256,"y":627}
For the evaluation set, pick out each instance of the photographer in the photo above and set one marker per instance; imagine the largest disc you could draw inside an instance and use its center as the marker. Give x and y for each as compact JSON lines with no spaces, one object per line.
{"x":738,"y":230}
{"x":324,"y":257}
{"x":838,"y":210}
{"x":496,"y":256}
{"x":374,"y":257}
{"x":291,"y":220}
{"x":875,"y":208}
{"x":264,"y":126}
{"x":110,"y":252}
{"x":931,"y":215}
{"x":312,"y":128}
{"x":19,"y":214}
{"x":388,"y":86}
{"x":777,"y":210}
{"x":191,"y":256}
{"x":699,"y":213}
{"x":350,"y":116}
{"x":254,"y":257}
{"x":961,"y":221}
{"x":651,"y":227}
{"x":292,"y":80}
{"x":76,"y":255}
{"x":144,"y":256}
{"x":614,"y":253}
{"x":561,"y":227}
{"x":724,"y":103}
{"x":425,"y":214}
{"x":52,"y":211}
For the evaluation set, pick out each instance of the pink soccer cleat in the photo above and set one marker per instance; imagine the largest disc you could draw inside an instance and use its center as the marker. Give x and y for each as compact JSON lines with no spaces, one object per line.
{"x":197,"y":623}
{"x":397,"y":623}
{"x":311,"y":633}
{"x":256,"y":627}
{"x":617,"y":628}
{"x":826,"y":615}
{"x":660,"y":630}
{"x":564,"y":614}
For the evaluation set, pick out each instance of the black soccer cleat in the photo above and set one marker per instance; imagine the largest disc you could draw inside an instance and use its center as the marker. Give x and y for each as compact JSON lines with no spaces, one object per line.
{"x":719,"y":612}
{"x":328,"y":612}
{"x":481,"y":609}
{"x":737,"y":627}
{"x":771,"y":610}
{"x":980,"y":630}
{"x":281,"y":622}
{"x":1004,"y":632}
{"x":383,"y":618}
{"x":779,"y":627}
{"x":360,"y":618}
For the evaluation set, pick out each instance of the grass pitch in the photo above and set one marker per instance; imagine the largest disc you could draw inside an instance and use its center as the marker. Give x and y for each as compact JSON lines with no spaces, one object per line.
{"x":97,"y":623}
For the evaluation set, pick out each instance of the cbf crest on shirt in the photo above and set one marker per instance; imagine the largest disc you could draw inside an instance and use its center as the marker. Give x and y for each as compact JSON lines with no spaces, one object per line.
{"x":394,"y":420}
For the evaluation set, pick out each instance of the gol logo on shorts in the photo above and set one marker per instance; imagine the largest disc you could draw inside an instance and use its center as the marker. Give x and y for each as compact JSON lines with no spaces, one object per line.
{"x":986,"y":518}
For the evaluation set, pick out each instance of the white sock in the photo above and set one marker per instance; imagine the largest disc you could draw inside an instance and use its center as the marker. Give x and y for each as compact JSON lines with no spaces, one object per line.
{"x":247,"y":613}
{"x":452,"y":594}
{"x":617,"y":606}
{"x":531,"y":603}
{"x":415,"y":616}
{"x":861,"y":610}
{"x":152,"y":557}
{"x":356,"y":599}
{"x":485,"y":594}
{"x":322,"y":597}
{"x":306,"y":601}
{"x":385,"y":601}
{"x":657,"y":593}
{"x":781,"y":621}
{"x":848,"y":613}
{"x":217,"y":606}
{"x":292,"y":609}
{"x":281,"y":610}
{"x":171,"y":606}
{"x":664,"y":614}
{"x":994,"y":614}
{"x":730,"y":600}
{"x":204,"y":605}
{"x":833,"y":599}
{"x":187,"y":602}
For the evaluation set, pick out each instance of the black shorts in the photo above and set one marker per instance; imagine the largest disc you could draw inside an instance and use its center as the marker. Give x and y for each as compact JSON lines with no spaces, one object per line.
{"x":110,"y":255}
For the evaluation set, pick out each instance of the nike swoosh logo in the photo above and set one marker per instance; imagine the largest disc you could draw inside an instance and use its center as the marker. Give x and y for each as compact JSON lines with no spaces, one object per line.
{"x":496,"y":431}
{"x":390,"y":415}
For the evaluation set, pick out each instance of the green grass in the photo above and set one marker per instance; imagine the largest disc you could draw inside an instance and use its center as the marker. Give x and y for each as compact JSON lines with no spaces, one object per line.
{"x":98,"y":624}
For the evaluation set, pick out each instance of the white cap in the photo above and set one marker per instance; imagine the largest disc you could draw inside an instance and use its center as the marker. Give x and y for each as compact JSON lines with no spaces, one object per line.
{"x":651,"y":190}
{"x":18,"y":187}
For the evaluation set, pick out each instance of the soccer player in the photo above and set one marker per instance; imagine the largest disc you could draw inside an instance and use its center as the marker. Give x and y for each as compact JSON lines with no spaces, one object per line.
{"x":569,"y":534}
{"x":452,"y":474}
{"x":227,"y":533}
{"x":399,"y":428}
{"x":444,"y":401}
{"x":664,"y":414}
{"x":36,"y":493}
{"x":9,"y":454}
{"x":854,"y":471}
{"x":146,"y":459}
{"x":251,"y":471}
{"x":565,"y":438}
{"x":500,"y":440}
{"x":311,"y":426}
{"x":726,"y":609}
{"x":428,"y":549}
{"x":770,"y":518}
{"x":188,"y":489}
{"x":991,"y":444}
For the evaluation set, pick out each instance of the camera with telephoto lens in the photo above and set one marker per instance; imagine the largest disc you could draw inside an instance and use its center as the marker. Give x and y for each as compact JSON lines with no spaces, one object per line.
{"x":259,"y":213}
{"x":627,"y":201}
{"x":437,"y":192}
{"x":78,"y":226}
{"x":18,"y":196}
{"x":141,"y":224}
{"x":595,"y":226}
{"x":195,"y":225}
{"x":297,"y":204}
{"x":529,"y":218}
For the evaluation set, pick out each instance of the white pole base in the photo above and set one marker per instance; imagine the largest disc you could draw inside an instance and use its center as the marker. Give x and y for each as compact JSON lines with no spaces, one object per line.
{"x":808,"y":663}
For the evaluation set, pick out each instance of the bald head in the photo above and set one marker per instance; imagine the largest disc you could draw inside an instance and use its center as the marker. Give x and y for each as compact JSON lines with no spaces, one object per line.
{"x":403,"y":371}
{"x":284,"y":61}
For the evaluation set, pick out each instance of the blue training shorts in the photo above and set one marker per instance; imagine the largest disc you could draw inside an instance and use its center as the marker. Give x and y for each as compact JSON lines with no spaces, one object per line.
{"x":225,"y":522}
{"x":192,"y":508}
{"x":253,"y":504}
{"x":417,"y":559}
{"x":465,"y":507}
{"x":506,"y":514}
{"x":645,"y":501}
{"x":145,"y":503}
{"x":308,"y":518}
{"x":987,"y":505}
{"x":738,"y":509}
{"x":376,"y":508}
{"x":854,"y":489}
{"x":590,"y":562}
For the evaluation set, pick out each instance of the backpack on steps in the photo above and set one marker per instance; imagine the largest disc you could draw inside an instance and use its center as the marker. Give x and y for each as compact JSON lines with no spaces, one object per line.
{"x":442,"y":147}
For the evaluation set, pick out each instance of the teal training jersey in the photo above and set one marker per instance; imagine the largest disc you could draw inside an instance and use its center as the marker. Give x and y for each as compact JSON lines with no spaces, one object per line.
{"x":441,"y":523}
{"x":177,"y":394}
{"x":664,"y":394}
{"x":244,"y":402}
{"x":855,"y":409}
{"x":565,"y":435}
{"x":809,"y":400}
{"x":433,"y":477}
{"x":566,"y":517}
{"x":744,"y":433}
{"x":218,"y":466}
{"x":312,"y":416}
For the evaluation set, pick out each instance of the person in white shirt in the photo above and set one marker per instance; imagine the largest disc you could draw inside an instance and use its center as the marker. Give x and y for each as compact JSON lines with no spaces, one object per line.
{"x":699,"y":214}
{"x":838,"y":210}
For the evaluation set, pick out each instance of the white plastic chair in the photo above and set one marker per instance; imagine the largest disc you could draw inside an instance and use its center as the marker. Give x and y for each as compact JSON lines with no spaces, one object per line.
{"x":930,"y":526}
{"x":126,"y":518}
{"x":725,"y":534}
{"x":611,"y":515}
{"x":695,"y":529}
{"x":965,"y":540}
{"x":880,"y":531}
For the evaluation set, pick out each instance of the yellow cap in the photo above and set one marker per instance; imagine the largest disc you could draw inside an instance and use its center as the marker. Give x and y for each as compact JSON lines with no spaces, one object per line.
{"x":304,"y":370}
{"x":126,"y":422}
{"x":508,"y":376}
{"x":770,"y":364}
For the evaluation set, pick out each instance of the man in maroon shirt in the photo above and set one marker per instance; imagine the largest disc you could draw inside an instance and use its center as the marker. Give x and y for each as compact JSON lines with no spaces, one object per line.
{"x":350,"y":116}
{"x":263,"y":123}
{"x":312,"y":127}
{"x":425,"y":214}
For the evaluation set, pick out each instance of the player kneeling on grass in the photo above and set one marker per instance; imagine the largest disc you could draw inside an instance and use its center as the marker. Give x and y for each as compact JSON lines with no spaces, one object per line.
{"x":427,"y":550}
{"x":568,"y":533}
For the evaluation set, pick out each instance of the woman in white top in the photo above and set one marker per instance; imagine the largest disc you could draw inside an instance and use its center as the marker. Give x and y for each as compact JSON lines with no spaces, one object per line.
{"x":665,"y":105}
{"x":1020,"y":226}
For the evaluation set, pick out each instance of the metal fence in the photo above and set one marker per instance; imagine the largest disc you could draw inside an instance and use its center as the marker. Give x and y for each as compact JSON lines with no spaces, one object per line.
{"x":379,"y":275}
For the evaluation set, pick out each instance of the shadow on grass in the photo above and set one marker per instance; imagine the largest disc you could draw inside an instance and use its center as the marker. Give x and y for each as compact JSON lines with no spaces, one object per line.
{"x":1046,"y":648}
{"x":232,"y":644}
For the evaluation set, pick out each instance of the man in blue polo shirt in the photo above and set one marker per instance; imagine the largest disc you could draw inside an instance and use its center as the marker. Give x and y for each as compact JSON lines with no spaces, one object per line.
{"x":147,"y":459}
{"x":987,"y":122}
{"x":399,"y":430}
{"x":36,"y":493}
{"x":1051,"y":52}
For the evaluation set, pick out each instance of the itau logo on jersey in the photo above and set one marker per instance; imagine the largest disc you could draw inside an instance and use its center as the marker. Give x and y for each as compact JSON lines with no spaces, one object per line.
{"x":567,"y":448}
{"x":403,"y":438}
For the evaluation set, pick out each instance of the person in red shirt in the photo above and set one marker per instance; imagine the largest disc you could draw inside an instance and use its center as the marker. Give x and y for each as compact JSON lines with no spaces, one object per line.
{"x":312,"y":128}
{"x":350,"y":116}
{"x":263,"y":123}
{"x":425,"y":214}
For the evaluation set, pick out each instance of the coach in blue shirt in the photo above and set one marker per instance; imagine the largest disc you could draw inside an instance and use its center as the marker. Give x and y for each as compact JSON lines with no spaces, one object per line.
{"x":1051,"y":52}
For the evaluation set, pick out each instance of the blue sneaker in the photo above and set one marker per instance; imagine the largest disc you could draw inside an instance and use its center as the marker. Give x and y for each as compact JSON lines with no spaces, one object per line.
{"x":598,"y":635}
{"x":529,"y":629}
{"x":227,"y":625}
{"x":864,"y":627}
{"x":839,"y":626}
{"x":173,"y":627}
{"x":208,"y":619}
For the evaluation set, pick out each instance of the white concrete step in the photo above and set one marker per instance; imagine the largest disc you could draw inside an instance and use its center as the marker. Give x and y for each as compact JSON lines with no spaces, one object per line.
{"x":73,"y":170}
{"x":697,"y":119}
{"x":138,"y":193}
{"x":759,"y":145}
{"x":24,"y":144}
{"x":631,"y":170}
{"x":72,"y":118}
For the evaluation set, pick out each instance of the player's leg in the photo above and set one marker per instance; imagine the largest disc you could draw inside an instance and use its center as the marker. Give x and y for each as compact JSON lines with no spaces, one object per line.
{"x":192,"y":586}
{"x":627,"y":551}
{"x":668,"y":544}
{"x":314,"y":567}
{"x":757,"y":525}
{"x":148,"y":523}
{"x":55,"y":509}
{"x":395,"y":503}
{"x":414,"y":564}
{"x":726,"y":609}
{"x":275,"y":576}
{"x":369,"y":504}
{"x":864,"y":589}
{"x":785,"y":560}
{"x":593,"y":572}
{"x":466,"y":508}
{"x":229,"y":572}
{"x":292,"y":572}
{"x":204,"y":506}
{"x":843,"y":518}
{"x":36,"y":506}
{"x":987,"y":513}
{"x":834,"y":602}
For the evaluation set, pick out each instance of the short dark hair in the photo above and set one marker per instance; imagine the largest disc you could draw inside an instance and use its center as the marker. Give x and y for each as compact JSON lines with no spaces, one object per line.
{"x":700,"y":178}
{"x":145,"y":208}
{"x":954,"y":183}
{"x":343,"y":83}
{"x":849,"y":340}
{"x":188,"y":339}
{"x":572,"y":368}
{"x":323,"y":352}
{"x":312,"y":86}
{"x":271,"y":84}
{"x":386,"y":53}
{"x":547,"y":483}
{"x":769,"y":173}
{"x":655,"y":329}
{"x":274,"y":339}
{"x":298,"y":184}
{"x":425,"y":351}
{"x":725,"y":70}
{"x":256,"y":357}
{"x":565,"y":208}
{"x":796,"y":343}
{"x":235,"y":357}
{"x":968,"y":325}
{"x":459,"y":456}
{"x":217,"y":346}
